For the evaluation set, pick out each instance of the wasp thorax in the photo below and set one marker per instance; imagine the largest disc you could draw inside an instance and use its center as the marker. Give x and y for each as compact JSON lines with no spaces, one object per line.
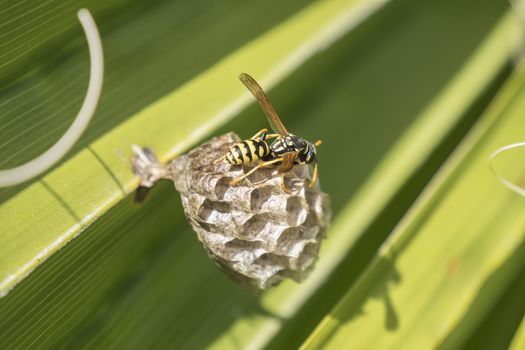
{"x":306,"y":150}
{"x":255,"y":231}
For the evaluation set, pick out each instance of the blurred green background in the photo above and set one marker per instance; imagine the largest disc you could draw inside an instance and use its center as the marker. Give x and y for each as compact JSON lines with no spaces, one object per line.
{"x":409,"y":97}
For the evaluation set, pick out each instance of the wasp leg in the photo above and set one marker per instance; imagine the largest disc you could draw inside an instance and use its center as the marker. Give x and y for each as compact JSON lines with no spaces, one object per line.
{"x":283,"y":185}
{"x":218,"y":160}
{"x":318,"y":143}
{"x":271,"y":136}
{"x":314,"y":177}
{"x":261,"y":135}
{"x":260,"y":165}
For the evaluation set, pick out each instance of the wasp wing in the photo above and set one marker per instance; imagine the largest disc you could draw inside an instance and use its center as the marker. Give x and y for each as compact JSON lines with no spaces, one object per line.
{"x":256,"y":90}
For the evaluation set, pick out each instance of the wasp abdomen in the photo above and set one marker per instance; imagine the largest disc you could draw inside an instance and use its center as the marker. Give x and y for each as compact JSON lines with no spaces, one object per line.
{"x":246,"y":152}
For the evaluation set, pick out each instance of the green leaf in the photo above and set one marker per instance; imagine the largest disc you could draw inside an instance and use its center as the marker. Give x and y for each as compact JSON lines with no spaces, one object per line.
{"x":150,"y":50}
{"x":519,"y":340}
{"x":99,"y":176}
{"x":498,"y":327}
{"x":451,"y":258}
{"x":390,"y":94}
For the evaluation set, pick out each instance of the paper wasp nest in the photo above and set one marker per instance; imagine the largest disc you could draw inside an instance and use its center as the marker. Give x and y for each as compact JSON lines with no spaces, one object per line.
{"x":255,"y":231}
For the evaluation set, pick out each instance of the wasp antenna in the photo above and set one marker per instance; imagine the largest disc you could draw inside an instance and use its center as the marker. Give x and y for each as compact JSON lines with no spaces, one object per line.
{"x":46,"y":160}
{"x":318,"y":143}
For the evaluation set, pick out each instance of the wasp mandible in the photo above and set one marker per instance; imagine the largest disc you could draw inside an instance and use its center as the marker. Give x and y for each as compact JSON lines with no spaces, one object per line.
{"x":286,"y":148}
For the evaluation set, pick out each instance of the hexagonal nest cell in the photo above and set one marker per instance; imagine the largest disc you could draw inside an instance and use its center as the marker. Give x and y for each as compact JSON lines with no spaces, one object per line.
{"x":256,"y":232}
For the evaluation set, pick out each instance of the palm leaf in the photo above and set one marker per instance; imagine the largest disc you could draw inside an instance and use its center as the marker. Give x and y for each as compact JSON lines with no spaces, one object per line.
{"x":389,"y":100}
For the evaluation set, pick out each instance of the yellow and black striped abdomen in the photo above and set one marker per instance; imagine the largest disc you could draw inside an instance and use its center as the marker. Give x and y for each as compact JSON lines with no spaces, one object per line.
{"x":246,"y":152}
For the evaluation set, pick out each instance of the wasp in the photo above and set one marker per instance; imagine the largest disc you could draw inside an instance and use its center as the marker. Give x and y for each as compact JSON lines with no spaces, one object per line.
{"x":286,"y":148}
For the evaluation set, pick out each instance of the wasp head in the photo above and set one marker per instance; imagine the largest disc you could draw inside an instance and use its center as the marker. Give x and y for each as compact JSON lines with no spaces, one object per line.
{"x":306,"y":150}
